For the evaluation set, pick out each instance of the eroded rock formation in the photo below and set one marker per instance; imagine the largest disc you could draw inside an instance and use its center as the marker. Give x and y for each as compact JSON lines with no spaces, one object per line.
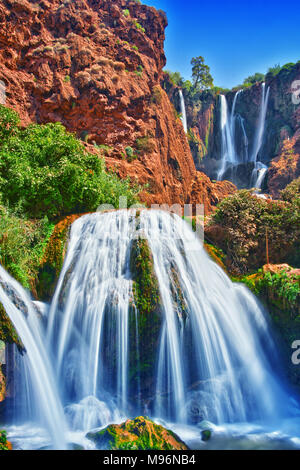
{"x":96,"y":66}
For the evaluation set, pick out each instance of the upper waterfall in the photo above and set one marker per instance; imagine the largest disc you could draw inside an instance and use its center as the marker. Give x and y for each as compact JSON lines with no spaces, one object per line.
{"x":231,"y":155}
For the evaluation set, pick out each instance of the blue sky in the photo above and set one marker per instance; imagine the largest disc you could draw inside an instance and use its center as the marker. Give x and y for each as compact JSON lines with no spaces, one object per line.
{"x":236,"y":38}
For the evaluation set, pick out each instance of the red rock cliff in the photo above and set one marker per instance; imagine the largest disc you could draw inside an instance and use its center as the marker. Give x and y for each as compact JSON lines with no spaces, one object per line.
{"x":96,"y":66}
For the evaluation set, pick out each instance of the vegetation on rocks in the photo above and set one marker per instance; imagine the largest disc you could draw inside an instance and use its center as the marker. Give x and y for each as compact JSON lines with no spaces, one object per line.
{"x":137,"y":434}
{"x":246,"y":227}
{"x":145,"y":319}
{"x":4,"y":443}
{"x":146,"y":290}
{"x":8,"y":333}
{"x":46,"y":171}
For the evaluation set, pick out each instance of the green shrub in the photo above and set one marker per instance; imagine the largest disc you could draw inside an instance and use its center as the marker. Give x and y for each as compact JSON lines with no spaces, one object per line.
{"x":46,"y":171}
{"x":156,"y":95}
{"x":126,"y":13}
{"x":22,"y":243}
{"x":246,"y":222}
{"x":130,"y":154}
{"x":139,"y":27}
{"x":145,"y":144}
{"x":3,"y":440}
{"x":67,"y":79}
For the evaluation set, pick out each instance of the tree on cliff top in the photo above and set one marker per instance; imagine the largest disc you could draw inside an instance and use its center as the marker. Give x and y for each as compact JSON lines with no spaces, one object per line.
{"x":202,"y":78}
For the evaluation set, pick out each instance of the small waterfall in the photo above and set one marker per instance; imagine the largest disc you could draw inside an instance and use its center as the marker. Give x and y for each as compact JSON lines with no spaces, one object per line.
{"x":258,"y":141}
{"x":258,"y":175}
{"x":228,"y":120}
{"x":40,"y":383}
{"x":215,"y":358}
{"x":183,"y":111}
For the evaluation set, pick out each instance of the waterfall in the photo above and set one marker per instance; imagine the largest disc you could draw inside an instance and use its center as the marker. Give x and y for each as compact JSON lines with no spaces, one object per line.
{"x":258,"y":141}
{"x":231,"y":157}
{"x":258,"y":175}
{"x":214,"y":352}
{"x":36,"y":361}
{"x":228,"y":120}
{"x":183,"y":111}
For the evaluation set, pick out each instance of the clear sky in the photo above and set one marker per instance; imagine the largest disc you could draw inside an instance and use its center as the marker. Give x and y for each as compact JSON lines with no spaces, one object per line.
{"x":236,"y":38}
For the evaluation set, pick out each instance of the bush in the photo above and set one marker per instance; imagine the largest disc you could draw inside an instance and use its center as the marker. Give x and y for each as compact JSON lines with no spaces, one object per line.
{"x":130,"y":154}
{"x":245,"y":221}
{"x":156,"y":95}
{"x":145,"y":144}
{"x":257,"y":77}
{"x":3,"y":440}
{"x":22,"y":243}
{"x":46,"y":171}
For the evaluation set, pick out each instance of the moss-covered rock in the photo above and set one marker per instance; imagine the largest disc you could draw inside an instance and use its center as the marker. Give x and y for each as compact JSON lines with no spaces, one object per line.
{"x":145,"y":287}
{"x":145,"y":318}
{"x":137,"y":434}
{"x":53,"y":258}
{"x":216,"y":255}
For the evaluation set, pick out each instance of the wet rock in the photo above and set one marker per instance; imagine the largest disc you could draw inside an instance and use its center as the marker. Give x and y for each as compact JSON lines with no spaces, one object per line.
{"x":138,"y":434}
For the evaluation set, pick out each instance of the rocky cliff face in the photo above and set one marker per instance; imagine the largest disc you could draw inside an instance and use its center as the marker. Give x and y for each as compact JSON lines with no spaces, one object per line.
{"x":281,"y":140}
{"x":96,"y":66}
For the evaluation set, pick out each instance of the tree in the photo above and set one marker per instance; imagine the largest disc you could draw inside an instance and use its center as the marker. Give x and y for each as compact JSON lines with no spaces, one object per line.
{"x":257,"y":77}
{"x":202,"y":78}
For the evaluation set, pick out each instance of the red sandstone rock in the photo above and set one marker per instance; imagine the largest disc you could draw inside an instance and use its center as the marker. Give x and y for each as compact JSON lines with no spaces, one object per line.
{"x":286,"y":167}
{"x":86,"y":64}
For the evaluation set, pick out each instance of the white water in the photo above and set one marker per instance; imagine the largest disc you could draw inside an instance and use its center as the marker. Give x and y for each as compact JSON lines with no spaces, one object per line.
{"x":258,"y":175}
{"x":228,"y":120}
{"x":230,"y":156}
{"x":215,"y":354}
{"x":37,"y":362}
{"x":183,"y":111}
{"x":258,"y":141}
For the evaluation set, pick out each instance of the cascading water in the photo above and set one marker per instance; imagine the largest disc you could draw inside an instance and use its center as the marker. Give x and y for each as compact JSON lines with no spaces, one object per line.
{"x":37,"y":368}
{"x":183,"y":111}
{"x":231,"y":156}
{"x":261,"y":123}
{"x":214,"y":354}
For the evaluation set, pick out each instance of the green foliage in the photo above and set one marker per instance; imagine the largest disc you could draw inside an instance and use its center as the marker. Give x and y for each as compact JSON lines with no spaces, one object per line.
{"x":156,"y":95}
{"x":126,"y":13}
{"x":3,"y":440}
{"x":22,"y":244}
{"x":139,"y":27}
{"x":257,"y":77}
{"x":67,"y":79}
{"x":46,"y":171}
{"x":175,"y":78}
{"x":202,"y":78}
{"x":145,"y":144}
{"x":291,"y":193}
{"x":281,"y":289}
{"x":273,"y":71}
{"x":9,"y":121}
{"x":135,"y":48}
{"x":245,"y":220}
{"x":130,"y":154}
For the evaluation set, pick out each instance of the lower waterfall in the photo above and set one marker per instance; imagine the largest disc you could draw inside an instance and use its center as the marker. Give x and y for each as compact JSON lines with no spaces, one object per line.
{"x":205,"y":353}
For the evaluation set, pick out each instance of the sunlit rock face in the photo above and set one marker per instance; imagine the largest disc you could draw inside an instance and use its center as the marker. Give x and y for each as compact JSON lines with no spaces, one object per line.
{"x":97,"y":68}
